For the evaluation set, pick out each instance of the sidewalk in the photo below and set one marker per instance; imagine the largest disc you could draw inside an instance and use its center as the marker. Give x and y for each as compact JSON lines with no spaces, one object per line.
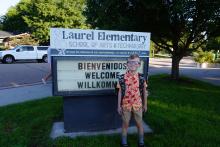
{"x":25,"y":93}
{"x":167,"y":62}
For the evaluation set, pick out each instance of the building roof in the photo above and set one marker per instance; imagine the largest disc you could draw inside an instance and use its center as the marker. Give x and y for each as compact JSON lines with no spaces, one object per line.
{"x":4,"y":34}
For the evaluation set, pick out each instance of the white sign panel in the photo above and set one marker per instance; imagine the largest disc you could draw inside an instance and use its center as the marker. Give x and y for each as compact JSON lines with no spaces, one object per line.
{"x":89,"y":75}
{"x":62,"y":38}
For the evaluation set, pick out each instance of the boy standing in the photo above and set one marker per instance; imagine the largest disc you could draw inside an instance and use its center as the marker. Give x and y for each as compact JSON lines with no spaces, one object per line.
{"x":132,"y":98}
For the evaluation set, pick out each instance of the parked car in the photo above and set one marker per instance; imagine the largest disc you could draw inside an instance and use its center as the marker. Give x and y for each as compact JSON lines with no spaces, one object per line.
{"x":24,"y":52}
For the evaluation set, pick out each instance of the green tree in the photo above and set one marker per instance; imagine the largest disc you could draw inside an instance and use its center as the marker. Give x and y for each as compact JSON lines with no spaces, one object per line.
{"x":1,"y":22}
{"x":13,"y":20}
{"x":174,"y":24}
{"x":214,"y":43}
{"x":38,"y":16}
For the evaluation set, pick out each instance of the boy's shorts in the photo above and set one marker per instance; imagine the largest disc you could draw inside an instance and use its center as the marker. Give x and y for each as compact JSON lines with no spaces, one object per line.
{"x":126,"y":116}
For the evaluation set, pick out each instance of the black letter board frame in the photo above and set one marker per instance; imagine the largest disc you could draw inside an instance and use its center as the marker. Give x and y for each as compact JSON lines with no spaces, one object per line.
{"x":88,"y":58}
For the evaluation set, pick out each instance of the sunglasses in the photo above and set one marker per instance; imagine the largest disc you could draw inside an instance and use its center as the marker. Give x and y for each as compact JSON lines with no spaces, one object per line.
{"x":134,"y":62}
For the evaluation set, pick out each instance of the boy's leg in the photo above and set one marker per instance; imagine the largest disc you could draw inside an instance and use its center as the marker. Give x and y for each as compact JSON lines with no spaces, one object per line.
{"x":139,"y":124}
{"x":48,"y":76}
{"x":45,"y":78}
{"x":126,"y":116}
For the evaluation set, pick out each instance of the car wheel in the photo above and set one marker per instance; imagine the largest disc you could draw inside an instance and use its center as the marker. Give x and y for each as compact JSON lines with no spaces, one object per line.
{"x":45,"y":59}
{"x":8,"y":59}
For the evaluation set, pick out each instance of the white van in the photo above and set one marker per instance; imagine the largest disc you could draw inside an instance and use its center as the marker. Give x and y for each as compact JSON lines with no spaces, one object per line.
{"x":24,"y":52}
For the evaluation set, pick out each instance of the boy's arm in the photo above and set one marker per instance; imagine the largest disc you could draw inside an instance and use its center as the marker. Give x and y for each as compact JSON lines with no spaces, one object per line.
{"x":119,"y":99}
{"x":145,"y":92}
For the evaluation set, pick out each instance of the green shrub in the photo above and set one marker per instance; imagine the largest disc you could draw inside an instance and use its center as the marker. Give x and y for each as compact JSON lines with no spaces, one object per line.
{"x":25,"y":40}
{"x":201,"y":56}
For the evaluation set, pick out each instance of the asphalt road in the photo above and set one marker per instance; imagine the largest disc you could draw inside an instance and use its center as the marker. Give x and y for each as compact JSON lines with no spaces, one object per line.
{"x":20,"y":74}
{"x":188,"y":68}
{"x":15,"y":75}
{"x":208,"y":75}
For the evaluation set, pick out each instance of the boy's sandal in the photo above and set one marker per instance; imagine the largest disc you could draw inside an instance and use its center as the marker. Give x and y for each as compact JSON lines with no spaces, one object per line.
{"x":141,"y":145}
{"x":124,"y":145}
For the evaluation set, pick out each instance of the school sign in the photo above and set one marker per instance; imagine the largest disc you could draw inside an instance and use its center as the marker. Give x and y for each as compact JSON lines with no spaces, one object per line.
{"x":88,"y":40}
{"x":86,"y":65}
{"x":92,"y":60}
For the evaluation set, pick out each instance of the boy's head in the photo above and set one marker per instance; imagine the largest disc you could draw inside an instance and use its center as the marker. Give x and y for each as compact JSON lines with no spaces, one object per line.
{"x":133,"y":62}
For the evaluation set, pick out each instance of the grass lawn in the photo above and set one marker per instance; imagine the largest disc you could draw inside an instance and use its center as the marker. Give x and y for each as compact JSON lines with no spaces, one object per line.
{"x":182,"y":114}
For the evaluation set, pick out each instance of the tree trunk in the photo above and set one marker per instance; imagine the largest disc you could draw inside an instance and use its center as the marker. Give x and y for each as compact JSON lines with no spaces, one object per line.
{"x":175,"y":67}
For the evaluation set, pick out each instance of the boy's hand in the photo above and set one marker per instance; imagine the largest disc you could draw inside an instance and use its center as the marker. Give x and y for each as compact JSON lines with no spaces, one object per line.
{"x":145,"y":108}
{"x":119,"y":110}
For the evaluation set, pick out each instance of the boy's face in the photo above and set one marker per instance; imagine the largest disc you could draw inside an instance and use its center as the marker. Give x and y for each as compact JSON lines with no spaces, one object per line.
{"x":133,"y":64}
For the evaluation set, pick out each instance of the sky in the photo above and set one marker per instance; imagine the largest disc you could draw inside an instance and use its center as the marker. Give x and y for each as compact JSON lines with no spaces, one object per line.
{"x":6,"y":4}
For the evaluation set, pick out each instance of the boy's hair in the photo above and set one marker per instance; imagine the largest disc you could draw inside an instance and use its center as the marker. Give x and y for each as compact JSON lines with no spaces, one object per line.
{"x":133,"y":56}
